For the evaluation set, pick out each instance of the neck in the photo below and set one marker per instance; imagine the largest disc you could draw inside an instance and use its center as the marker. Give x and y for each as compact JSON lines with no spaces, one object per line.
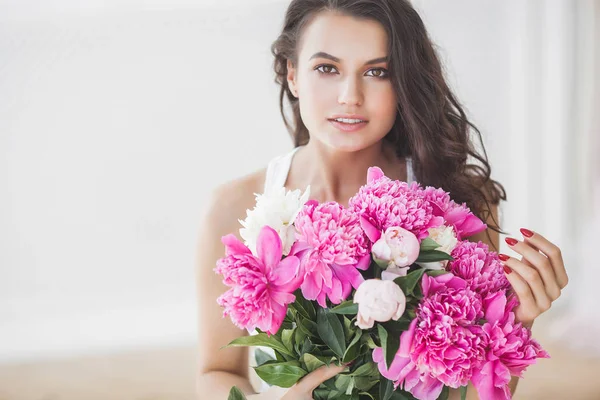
{"x":335,"y":175}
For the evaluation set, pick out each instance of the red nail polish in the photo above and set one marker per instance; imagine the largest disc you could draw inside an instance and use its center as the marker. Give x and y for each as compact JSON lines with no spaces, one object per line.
{"x":503,"y":257}
{"x":526,"y":232}
{"x":511,"y":241}
{"x":507,"y":269}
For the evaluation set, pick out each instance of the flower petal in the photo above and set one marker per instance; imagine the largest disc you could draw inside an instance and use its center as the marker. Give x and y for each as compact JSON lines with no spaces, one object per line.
{"x":233,"y":245}
{"x":370,"y":230}
{"x":374,"y":173}
{"x":286,"y":271}
{"x":268,"y":247}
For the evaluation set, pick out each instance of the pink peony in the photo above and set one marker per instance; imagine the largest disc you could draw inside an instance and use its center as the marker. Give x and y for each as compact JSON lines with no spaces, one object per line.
{"x":448,"y":342}
{"x":460,"y":217}
{"x":396,"y":248}
{"x":404,"y":371}
{"x":261,"y":286}
{"x":480,"y":267}
{"x":444,"y":345}
{"x":332,"y":247}
{"x":383,"y":203}
{"x":509,"y":348}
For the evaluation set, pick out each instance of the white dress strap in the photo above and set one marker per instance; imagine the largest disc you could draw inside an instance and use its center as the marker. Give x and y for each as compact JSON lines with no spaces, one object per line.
{"x":277,"y":170}
{"x":410,"y":176}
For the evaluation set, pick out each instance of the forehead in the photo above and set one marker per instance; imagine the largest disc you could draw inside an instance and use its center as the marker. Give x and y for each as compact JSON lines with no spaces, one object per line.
{"x":343,"y":36}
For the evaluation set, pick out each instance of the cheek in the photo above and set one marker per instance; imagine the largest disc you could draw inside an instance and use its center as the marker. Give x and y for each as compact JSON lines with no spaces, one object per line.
{"x":316,"y":99}
{"x":383,"y":104}
{"x":319,"y":90}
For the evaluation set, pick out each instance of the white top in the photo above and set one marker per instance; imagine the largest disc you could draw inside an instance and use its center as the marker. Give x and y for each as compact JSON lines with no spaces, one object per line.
{"x":279,"y":168}
{"x":277,"y":173}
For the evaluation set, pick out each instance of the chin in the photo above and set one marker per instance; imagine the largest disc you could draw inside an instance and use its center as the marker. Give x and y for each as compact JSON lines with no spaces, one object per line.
{"x":349,"y":142}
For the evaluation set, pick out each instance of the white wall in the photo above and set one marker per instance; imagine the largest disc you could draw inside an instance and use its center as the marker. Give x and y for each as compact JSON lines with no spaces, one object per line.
{"x":114,"y":126}
{"x":117,"y":118}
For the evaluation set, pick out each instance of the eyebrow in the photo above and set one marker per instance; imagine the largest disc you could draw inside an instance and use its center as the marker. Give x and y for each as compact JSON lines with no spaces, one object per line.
{"x":322,"y":54}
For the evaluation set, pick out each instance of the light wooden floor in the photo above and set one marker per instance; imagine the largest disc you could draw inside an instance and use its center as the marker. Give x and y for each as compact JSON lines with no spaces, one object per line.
{"x":168,"y":374}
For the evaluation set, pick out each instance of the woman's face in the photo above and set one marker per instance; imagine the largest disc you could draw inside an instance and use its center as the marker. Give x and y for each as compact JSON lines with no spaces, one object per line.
{"x":342,"y":71}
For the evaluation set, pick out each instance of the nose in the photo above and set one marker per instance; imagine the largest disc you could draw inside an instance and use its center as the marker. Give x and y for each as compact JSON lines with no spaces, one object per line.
{"x":351,"y":92}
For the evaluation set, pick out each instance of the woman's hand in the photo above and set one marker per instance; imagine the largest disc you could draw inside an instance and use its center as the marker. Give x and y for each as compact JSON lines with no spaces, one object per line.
{"x":537,"y":278}
{"x":303,"y":389}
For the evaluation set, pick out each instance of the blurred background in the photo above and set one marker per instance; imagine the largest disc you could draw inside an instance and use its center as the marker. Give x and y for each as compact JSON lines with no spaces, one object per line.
{"x":117,"y":118}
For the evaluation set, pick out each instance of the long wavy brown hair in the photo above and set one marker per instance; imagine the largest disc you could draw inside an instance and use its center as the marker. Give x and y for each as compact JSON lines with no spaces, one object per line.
{"x":431,"y":126}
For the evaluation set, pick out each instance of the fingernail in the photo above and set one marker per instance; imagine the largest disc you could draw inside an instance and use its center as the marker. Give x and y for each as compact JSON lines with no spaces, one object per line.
{"x":526,"y":232}
{"x":503,"y":257}
{"x":511,"y":241}
{"x":507,"y":269}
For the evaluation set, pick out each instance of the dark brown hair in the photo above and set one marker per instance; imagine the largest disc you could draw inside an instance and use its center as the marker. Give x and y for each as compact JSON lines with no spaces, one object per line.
{"x":431,"y":126}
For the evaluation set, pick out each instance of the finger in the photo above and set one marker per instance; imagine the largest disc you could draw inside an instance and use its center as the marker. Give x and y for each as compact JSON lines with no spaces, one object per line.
{"x":537,"y":264}
{"x":310,"y":382}
{"x":527,"y":309}
{"x":552,"y":252}
{"x":533,"y":279}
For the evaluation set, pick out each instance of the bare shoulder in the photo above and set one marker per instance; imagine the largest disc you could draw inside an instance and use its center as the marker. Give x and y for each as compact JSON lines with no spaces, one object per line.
{"x":226,"y":206}
{"x":229,"y":201}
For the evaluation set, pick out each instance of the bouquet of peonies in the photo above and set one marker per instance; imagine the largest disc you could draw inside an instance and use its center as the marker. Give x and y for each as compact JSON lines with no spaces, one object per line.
{"x":387,"y":284}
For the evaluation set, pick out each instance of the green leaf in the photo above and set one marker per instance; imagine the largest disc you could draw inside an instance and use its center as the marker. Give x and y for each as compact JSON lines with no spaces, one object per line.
{"x":342,"y":382}
{"x":236,"y":394}
{"x":348,"y":328}
{"x":382,"y":264}
{"x":402,"y":395}
{"x":463,"y":392}
{"x":299,"y":337}
{"x":303,"y":306}
{"x":389,"y":343}
{"x":397,"y":327}
{"x":350,"y":386}
{"x":429,"y":244}
{"x":353,"y":348}
{"x":410,"y":281}
{"x":320,"y":394}
{"x":283,"y":374}
{"x":386,"y":389}
{"x":312,"y":362}
{"x":367,"y":394}
{"x":260,"y":340}
{"x":366,"y":370}
{"x":279,"y":357}
{"x":334,"y":395}
{"x":309,"y":327}
{"x":445,"y":393}
{"x":436,"y":272}
{"x":262,"y":356}
{"x":369,"y":341}
{"x":307,"y":346}
{"x":331,"y":331}
{"x":287,"y":339}
{"x":365,"y":383}
{"x":433,"y":255}
{"x":346,"y":308}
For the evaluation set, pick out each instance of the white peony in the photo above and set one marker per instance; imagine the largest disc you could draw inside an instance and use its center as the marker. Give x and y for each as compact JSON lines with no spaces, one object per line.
{"x":378,"y":301}
{"x":446,"y":238}
{"x":278,"y":209}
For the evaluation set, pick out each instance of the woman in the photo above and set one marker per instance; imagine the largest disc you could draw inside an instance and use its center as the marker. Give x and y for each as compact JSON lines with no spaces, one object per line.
{"x":366,"y":88}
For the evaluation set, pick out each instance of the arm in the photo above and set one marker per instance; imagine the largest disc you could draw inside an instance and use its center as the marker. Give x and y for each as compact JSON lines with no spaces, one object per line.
{"x":218,"y":369}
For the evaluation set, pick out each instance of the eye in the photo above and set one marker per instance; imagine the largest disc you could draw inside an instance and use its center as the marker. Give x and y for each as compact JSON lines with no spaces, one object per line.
{"x":381,"y":72}
{"x":325,"y":69}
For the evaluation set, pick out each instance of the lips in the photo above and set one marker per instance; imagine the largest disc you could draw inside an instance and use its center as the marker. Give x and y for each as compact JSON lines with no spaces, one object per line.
{"x":348,"y":116}
{"x":348,"y":127}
